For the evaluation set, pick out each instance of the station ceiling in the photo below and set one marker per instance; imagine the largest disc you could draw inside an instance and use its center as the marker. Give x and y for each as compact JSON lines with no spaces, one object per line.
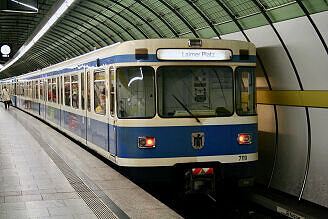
{"x":91,"y":24}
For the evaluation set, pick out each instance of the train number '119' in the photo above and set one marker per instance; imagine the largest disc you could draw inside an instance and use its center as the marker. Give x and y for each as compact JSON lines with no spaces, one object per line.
{"x":242,"y":157}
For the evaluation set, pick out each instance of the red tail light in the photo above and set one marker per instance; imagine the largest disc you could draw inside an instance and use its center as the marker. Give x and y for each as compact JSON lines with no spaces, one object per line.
{"x":244,"y":138}
{"x":146,"y":142}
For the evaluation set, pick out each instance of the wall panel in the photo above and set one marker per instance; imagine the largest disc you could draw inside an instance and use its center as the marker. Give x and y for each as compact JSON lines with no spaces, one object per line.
{"x":320,"y":20}
{"x":292,"y":150}
{"x":316,"y":189}
{"x":275,"y":60}
{"x":307,"y":52}
{"x":266,"y":142}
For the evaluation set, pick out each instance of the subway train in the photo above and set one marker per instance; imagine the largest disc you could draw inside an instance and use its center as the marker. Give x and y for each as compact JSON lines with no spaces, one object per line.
{"x":164,"y":109}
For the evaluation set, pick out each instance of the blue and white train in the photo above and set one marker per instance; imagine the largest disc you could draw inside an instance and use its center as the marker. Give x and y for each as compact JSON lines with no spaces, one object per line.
{"x":156,"y":105}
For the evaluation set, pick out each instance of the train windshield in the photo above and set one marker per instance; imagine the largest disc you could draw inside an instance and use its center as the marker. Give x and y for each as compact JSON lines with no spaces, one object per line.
{"x":135,"y":92}
{"x":195,"y":91}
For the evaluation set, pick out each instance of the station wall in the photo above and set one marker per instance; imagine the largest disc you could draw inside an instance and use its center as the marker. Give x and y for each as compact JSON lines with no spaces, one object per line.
{"x":286,"y":130}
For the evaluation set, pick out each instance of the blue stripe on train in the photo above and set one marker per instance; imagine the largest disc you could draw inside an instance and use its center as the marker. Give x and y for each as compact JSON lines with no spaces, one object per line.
{"x":176,"y":141}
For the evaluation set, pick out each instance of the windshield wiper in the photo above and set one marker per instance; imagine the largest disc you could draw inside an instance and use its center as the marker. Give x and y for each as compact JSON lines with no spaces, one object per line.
{"x":185,"y":107}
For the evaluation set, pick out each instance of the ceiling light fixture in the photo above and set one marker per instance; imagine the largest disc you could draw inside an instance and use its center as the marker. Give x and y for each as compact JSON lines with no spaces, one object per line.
{"x":43,"y":30}
{"x":26,"y":5}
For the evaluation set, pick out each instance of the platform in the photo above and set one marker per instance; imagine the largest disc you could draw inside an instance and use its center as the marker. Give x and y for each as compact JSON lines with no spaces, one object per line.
{"x":43,"y":174}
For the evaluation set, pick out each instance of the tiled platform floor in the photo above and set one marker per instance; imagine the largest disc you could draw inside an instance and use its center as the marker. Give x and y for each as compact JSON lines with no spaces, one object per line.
{"x":32,"y":186}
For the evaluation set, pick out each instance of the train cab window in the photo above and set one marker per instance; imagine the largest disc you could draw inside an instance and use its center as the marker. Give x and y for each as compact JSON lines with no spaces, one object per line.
{"x":54,"y":90}
{"x":75,"y":91}
{"x":135,"y":92}
{"x":82,"y":90}
{"x":245,"y":91}
{"x":49,"y":90}
{"x":88,"y":91}
{"x":195,"y":91}
{"x":99,"y":92}
{"x":67,"y":85}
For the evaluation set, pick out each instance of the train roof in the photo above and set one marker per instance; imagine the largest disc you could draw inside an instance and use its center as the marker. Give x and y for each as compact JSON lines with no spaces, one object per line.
{"x":129,"y":47}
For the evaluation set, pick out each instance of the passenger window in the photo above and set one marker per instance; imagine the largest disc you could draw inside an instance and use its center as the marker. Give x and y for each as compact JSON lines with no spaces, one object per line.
{"x":75,"y":91}
{"x":82,"y":90}
{"x":58,"y":90}
{"x":33,"y":89}
{"x":88,"y":91}
{"x":29,"y":89}
{"x":99,"y":92}
{"x":49,"y":90}
{"x":54,"y":91}
{"x":112,"y":99}
{"x":67,"y":84}
{"x":61,"y":89}
{"x":37,"y":90}
{"x":41,"y":89}
{"x":245,"y":91}
{"x":24,"y":89}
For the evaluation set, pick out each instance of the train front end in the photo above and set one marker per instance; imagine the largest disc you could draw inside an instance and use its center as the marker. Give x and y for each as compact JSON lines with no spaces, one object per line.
{"x":187,"y":109}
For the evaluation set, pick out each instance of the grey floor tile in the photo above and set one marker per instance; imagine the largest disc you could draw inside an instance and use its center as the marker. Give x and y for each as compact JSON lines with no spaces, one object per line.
{"x":58,"y":217}
{"x":68,"y":211}
{"x":16,"y":214}
{"x":22,"y":198}
{"x":10,"y":193}
{"x":85,"y":216}
{"x":13,"y":206}
{"x":60,"y":196}
{"x":75,"y":202}
{"x":38,"y":212}
{"x":45,"y":204}
{"x":65,"y":189}
{"x":39,"y":192}
{"x":134,"y":198}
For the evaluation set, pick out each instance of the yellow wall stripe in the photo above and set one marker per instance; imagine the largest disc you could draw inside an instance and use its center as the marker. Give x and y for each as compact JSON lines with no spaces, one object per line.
{"x":293,"y":98}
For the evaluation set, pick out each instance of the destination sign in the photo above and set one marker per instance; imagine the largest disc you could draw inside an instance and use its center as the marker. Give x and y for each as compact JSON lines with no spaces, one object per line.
{"x":194,"y":54}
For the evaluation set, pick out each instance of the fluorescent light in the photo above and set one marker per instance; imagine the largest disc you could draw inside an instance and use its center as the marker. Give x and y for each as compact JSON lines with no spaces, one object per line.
{"x":60,"y":11}
{"x":26,"y":5}
{"x":1,"y":66}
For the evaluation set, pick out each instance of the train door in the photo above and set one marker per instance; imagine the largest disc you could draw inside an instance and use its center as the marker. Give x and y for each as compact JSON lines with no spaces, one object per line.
{"x":98,"y":116}
{"x":112,"y":119}
{"x":83,"y":105}
{"x":61,"y":99}
{"x":15,"y":93}
{"x":87,"y":102}
{"x":37,"y":97}
{"x":43,"y":88}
